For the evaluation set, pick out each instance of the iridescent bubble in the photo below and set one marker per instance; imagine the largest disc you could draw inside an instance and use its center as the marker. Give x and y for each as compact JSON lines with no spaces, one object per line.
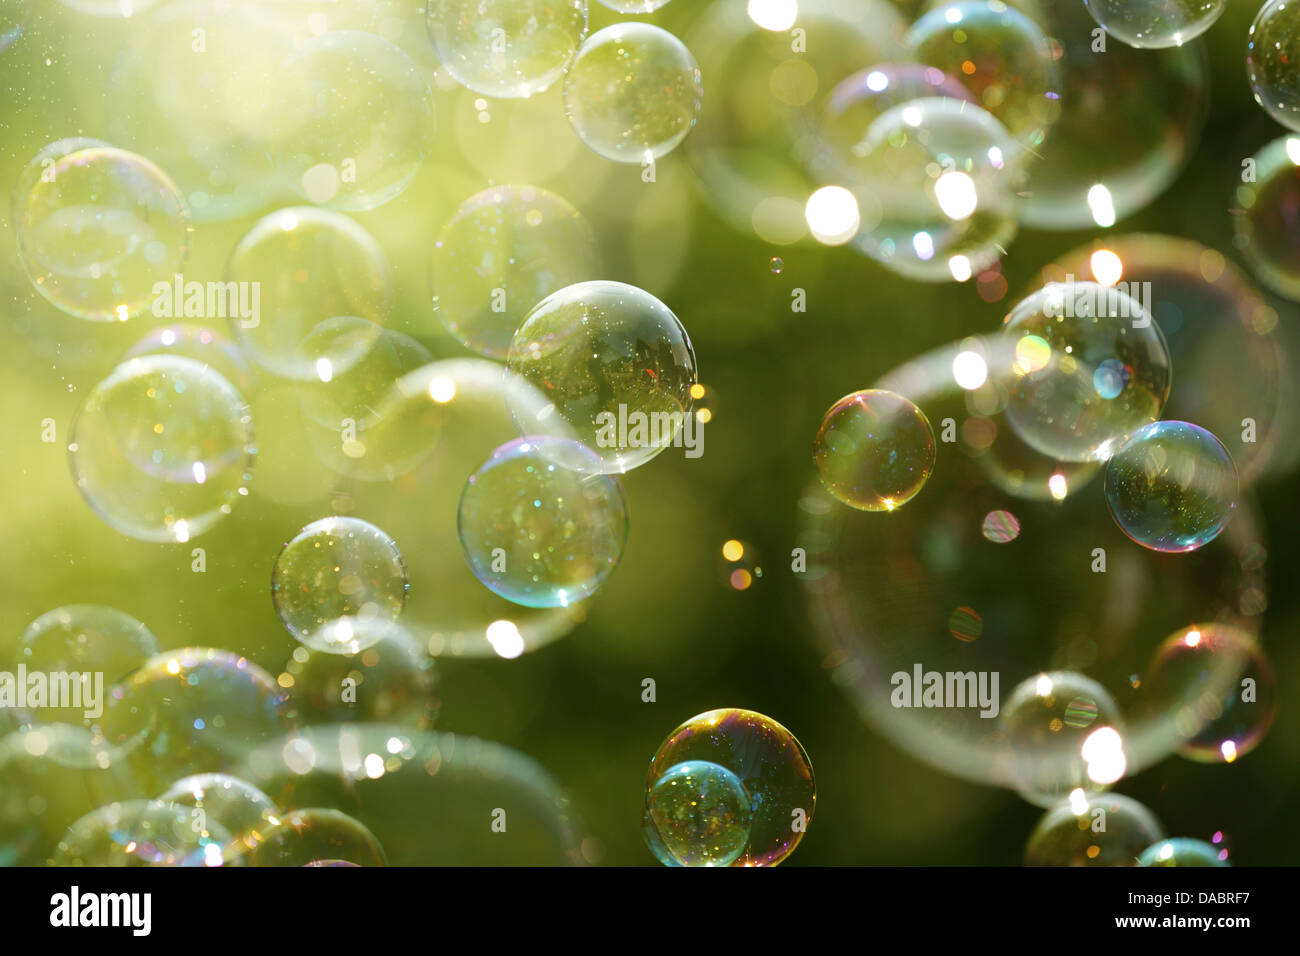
{"x":1150,"y":25}
{"x":777,"y":265}
{"x":1001,"y":56}
{"x":965,"y":624}
{"x":204,"y":345}
{"x":617,"y":367}
{"x":193,"y":710}
{"x":141,"y":833}
{"x":113,"y":9}
{"x":633,"y":93}
{"x":333,"y":575}
{"x":739,"y":568}
{"x":359,"y":120}
{"x":538,"y":533}
{"x":162,"y":448}
{"x":874,"y":450}
{"x":12,"y":25}
{"x":1171,"y":486}
{"x":303,"y":837}
{"x":506,"y":48}
{"x":1057,"y":407}
{"x":1214,"y":686}
{"x":505,"y":250}
{"x":768,"y":761}
{"x":296,"y":268}
{"x":1107,"y":830}
{"x":1000,"y":526}
{"x":1055,"y":725}
{"x":98,"y":228}
{"x":234,"y":805}
{"x":945,"y":177}
{"x":1180,"y":851}
{"x":701,"y":813}
{"x":1267,"y":230}
{"x":1271,"y":54}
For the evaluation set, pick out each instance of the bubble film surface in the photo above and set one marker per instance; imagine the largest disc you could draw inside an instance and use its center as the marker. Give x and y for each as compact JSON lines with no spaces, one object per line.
{"x":700,"y":813}
{"x":874,"y":450}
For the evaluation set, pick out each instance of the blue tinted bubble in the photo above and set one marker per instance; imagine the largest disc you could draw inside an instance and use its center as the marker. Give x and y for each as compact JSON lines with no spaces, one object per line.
{"x":1181,"y":851}
{"x":701,"y":815}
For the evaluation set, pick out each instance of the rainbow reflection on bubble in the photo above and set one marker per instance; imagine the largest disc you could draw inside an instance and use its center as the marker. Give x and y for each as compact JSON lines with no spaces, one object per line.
{"x":700,"y":813}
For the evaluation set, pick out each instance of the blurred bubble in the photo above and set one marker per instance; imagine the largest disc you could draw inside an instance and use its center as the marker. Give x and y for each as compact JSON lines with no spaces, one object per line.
{"x":140,"y":833}
{"x":1000,"y":526}
{"x":1001,"y":56}
{"x":39,"y":797}
{"x":1180,"y":851}
{"x":505,"y":250}
{"x":874,"y":450}
{"x":205,"y":346}
{"x":1108,"y":830}
{"x":777,"y":265}
{"x":617,"y":367}
{"x":233,"y":805}
{"x":1171,"y":486}
{"x":739,"y":565}
{"x":701,"y":813}
{"x":360,"y":120}
{"x":331,"y":577}
{"x":1266,"y":229}
{"x":97,"y":228}
{"x":296,"y":268}
{"x":304,"y":837}
{"x":161,"y":449}
{"x":1215,"y":687}
{"x":1155,"y":24}
{"x":536,"y":532}
{"x":506,"y":48}
{"x":633,"y":93}
{"x":1270,"y":61}
{"x":769,"y":763}
{"x":1061,"y":406}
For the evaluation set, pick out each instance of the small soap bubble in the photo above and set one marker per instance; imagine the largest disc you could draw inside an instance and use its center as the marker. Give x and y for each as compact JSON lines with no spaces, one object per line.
{"x":311,"y":835}
{"x":1000,"y":527}
{"x":1181,"y":851}
{"x":874,"y":450}
{"x":701,"y":814}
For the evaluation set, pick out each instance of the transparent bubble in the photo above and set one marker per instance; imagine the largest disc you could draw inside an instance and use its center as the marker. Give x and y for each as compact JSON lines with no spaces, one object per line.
{"x":874,"y":450}
{"x":296,"y":268}
{"x":633,"y":93}
{"x":1001,"y":56}
{"x":234,"y":805}
{"x":617,"y":366}
{"x":1155,"y":24}
{"x":97,"y":227}
{"x":540,"y":534}
{"x":633,"y":6}
{"x":1064,"y":733}
{"x":777,"y":265}
{"x":1180,"y":851}
{"x":1171,"y":486}
{"x":193,"y":710}
{"x":392,"y":682}
{"x":701,"y":814}
{"x":1270,"y":61}
{"x":162,"y":448}
{"x":505,"y":250}
{"x":759,"y":129}
{"x":1221,"y":332}
{"x":333,"y":575}
{"x":1093,"y":367}
{"x":1107,"y":830}
{"x":1266,"y":230}
{"x":1214,"y":686}
{"x":939,"y":180}
{"x":506,"y":48}
{"x":767,"y":760}
{"x":359,"y":120}
{"x":375,"y":773}
{"x":205,"y":346}
{"x":303,"y":837}
{"x":140,"y":833}
{"x":1159,"y":97}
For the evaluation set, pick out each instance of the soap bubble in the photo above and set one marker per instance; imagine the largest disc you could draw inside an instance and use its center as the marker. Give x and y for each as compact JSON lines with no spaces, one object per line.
{"x":874,"y":450}
{"x":1270,"y":61}
{"x":767,"y":760}
{"x":1180,"y":851}
{"x":633,"y":6}
{"x":617,"y":366}
{"x":1154,"y":26}
{"x":303,"y":837}
{"x":375,"y":773}
{"x":1215,"y":688}
{"x":141,"y":833}
{"x":701,"y":814}
{"x":193,"y":710}
{"x":536,"y":532}
{"x":944,"y":176}
{"x":1266,"y":230}
{"x":633,"y":93}
{"x":333,"y":575}
{"x":358,"y":120}
{"x":234,"y":805}
{"x":1055,"y":725}
{"x":505,"y":250}
{"x":1001,"y":56}
{"x":161,"y":449}
{"x":506,"y":48}
{"x":1108,"y":830}
{"x":97,"y":227}
{"x":1171,"y":486}
{"x":202,"y":344}
{"x":303,"y":266}
{"x":1065,"y":403}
